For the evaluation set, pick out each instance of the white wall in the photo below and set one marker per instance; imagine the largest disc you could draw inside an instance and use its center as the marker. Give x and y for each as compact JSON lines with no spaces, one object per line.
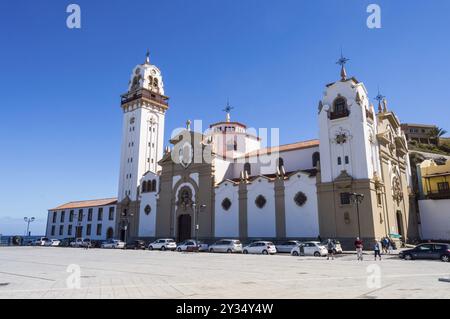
{"x":261,"y":221}
{"x":147,"y":223}
{"x":301,"y":221}
{"x":227,"y":221}
{"x":267,"y":164}
{"x":435,"y":219}
{"x":105,"y":222}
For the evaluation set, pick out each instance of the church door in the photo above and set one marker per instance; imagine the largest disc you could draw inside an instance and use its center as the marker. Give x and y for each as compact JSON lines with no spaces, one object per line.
{"x":400,"y":224}
{"x":184,"y":227}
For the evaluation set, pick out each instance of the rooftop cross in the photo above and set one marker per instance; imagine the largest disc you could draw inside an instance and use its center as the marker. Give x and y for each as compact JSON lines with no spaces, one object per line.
{"x":227,"y":110}
{"x":342,"y":61}
{"x":380,"y":98}
{"x":147,"y":57}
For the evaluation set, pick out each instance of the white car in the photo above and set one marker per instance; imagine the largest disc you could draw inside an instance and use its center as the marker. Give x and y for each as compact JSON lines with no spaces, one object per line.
{"x":81,"y":242}
{"x":226,"y":246}
{"x":113,"y":243}
{"x":188,"y":245}
{"x":163,"y":244}
{"x":260,"y":247}
{"x":310,"y":248}
{"x":287,"y":246}
{"x":40,"y":241}
{"x":52,"y":242}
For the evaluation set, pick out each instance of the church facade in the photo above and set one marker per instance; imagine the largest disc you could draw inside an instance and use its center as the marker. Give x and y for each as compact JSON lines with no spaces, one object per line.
{"x":353,"y":181}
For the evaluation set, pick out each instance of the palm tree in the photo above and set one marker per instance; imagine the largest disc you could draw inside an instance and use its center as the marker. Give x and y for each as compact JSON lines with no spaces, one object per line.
{"x":436,"y":133}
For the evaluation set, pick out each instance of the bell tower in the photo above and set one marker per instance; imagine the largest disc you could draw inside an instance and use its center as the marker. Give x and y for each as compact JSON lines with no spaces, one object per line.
{"x":144,"y":106}
{"x":349,"y":160}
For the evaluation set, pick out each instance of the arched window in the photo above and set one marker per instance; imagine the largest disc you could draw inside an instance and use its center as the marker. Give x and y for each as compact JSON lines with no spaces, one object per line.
{"x":144,"y":187}
{"x":315,"y":159}
{"x":154,"y":185}
{"x":155,"y":82}
{"x":340,"y":108}
{"x":248,"y":168}
{"x":150,"y":81}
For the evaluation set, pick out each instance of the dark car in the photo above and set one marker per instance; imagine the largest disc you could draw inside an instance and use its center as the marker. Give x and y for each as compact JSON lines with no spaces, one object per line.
{"x":137,"y":244}
{"x":427,"y":251}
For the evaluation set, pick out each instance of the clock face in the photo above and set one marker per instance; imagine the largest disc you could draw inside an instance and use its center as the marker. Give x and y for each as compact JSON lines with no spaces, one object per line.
{"x":153,"y":71}
{"x":132,"y":120}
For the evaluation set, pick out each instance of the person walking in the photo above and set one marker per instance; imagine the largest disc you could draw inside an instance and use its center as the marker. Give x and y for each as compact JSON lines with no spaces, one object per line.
{"x":377,"y":249}
{"x":330,"y":248}
{"x":385,"y":244}
{"x":359,"y":248}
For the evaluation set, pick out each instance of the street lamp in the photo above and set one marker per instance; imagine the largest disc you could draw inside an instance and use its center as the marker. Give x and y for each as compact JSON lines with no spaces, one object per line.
{"x":196,"y":211}
{"x":28,"y":220}
{"x":357,"y":198}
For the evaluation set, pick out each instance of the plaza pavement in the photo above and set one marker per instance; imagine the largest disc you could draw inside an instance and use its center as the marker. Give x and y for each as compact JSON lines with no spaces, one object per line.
{"x":41,"y":272}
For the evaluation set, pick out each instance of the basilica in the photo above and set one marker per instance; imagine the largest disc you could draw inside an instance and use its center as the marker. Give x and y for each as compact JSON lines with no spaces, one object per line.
{"x":354,"y":180}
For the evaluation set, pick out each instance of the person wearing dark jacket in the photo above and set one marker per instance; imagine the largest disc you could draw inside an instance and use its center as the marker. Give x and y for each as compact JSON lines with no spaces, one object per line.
{"x":359,"y":248}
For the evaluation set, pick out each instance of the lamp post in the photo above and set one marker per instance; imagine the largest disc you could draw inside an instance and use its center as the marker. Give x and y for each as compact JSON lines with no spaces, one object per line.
{"x":28,"y":220}
{"x":196,"y":211}
{"x":357,"y":198}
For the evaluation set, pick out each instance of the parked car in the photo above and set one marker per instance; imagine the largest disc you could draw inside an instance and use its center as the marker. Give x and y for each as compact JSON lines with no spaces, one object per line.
{"x":427,"y":251}
{"x":66,"y":242}
{"x":163,"y":244}
{"x":81,"y":242}
{"x":286,"y":246}
{"x":40,"y":241}
{"x":113,"y":243}
{"x":310,"y":248}
{"x":226,"y":246}
{"x":52,"y":242}
{"x":337,"y":244}
{"x":188,"y":245}
{"x":260,"y":247}
{"x":137,"y":244}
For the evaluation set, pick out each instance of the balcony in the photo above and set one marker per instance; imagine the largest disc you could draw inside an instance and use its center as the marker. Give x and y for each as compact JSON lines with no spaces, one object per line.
{"x":339,"y":115}
{"x":438,"y":195}
{"x":144,"y":94}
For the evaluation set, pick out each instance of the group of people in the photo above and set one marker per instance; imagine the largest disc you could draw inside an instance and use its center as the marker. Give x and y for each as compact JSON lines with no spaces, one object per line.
{"x":385,"y":245}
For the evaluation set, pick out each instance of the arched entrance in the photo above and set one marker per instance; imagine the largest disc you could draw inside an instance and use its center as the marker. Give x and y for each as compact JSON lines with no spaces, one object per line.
{"x":122,"y":234}
{"x":400,"y":224}
{"x":109,"y":233}
{"x":184,"y":227}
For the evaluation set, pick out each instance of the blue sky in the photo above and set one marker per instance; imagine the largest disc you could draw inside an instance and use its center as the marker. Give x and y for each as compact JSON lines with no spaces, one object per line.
{"x":60,"y":115}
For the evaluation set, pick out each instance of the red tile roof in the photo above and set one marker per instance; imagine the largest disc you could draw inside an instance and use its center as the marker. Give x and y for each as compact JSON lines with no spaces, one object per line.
{"x":87,"y":203}
{"x":284,"y":148}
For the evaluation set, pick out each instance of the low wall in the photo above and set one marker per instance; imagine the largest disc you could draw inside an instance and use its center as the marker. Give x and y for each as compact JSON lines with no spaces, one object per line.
{"x":435,"y":219}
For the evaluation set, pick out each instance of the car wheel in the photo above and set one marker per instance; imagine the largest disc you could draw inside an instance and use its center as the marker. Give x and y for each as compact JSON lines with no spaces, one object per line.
{"x":295,"y":253}
{"x":179,"y":249}
{"x":211,"y":250}
{"x":245,"y":252}
{"x":316,"y":254}
{"x":229,"y":251}
{"x":163,"y":248}
{"x":445,"y":258}
{"x":408,"y":257}
{"x":265,"y":252}
{"x":150,"y":247}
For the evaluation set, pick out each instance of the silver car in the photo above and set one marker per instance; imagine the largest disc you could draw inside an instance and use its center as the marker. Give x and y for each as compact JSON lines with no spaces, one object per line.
{"x":287,"y":246}
{"x":226,"y":246}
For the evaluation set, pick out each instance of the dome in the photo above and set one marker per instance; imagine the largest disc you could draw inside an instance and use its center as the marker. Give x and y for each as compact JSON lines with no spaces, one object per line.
{"x":146,"y":76}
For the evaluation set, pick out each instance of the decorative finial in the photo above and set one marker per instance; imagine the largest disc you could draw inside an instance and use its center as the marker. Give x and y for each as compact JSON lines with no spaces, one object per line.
{"x":147,"y":58}
{"x":188,"y":125}
{"x":379,"y":98}
{"x":228,"y":109}
{"x":342,"y":61}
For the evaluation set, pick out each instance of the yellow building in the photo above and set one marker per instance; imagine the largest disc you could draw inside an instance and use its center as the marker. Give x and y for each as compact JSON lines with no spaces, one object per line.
{"x":435,"y":179}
